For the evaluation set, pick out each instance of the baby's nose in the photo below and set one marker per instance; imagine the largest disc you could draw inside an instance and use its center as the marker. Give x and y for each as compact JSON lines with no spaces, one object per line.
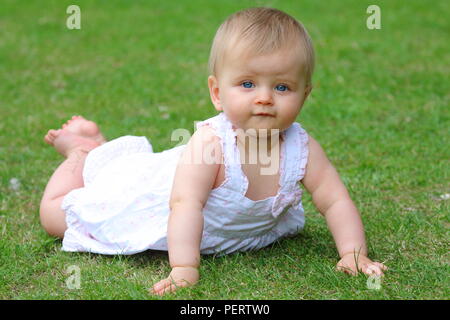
{"x":264,"y":97}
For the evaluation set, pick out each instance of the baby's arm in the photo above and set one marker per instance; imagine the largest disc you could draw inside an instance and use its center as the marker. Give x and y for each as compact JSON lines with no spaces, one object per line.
{"x":194,"y":179}
{"x":331,"y":198}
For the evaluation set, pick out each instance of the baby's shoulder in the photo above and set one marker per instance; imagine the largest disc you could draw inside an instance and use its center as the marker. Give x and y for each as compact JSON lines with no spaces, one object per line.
{"x":206,"y":131}
{"x":205,"y":145}
{"x":205,"y":136}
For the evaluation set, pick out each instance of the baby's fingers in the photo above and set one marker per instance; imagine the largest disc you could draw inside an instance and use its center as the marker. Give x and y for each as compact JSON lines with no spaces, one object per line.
{"x":373,"y":268}
{"x":163,"y":287}
{"x":382,"y":266}
{"x":168,"y":285}
{"x":346,"y":269}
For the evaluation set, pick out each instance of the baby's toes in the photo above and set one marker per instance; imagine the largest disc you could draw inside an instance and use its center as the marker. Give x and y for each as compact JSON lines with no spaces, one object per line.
{"x":51,"y":136}
{"x":47,"y":139}
{"x":54,"y":133}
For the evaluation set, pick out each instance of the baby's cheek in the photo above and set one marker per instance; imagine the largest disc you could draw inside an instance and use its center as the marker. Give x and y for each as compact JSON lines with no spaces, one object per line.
{"x":295,"y":105}
{"x":235,"y":97}
{"x":236,"y":106}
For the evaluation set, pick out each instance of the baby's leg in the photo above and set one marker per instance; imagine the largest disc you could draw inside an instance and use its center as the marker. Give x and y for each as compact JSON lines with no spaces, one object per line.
{"x":67,"y":176}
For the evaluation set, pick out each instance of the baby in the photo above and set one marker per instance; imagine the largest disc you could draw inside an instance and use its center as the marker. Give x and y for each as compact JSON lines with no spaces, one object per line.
{"x":119,"y":197}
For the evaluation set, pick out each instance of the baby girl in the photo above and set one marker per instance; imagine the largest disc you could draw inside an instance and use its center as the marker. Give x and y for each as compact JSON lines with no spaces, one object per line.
{"x":204,"y":197}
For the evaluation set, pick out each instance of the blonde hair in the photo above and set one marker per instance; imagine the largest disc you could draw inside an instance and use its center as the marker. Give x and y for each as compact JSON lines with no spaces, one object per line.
{"x":261,"y":31}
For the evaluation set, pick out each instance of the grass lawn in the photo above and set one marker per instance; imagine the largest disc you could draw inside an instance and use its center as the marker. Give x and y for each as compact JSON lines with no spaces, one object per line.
{"x":379,"y":108}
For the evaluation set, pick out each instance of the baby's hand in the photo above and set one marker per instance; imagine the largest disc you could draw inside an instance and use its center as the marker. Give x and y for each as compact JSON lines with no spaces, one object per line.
{"x":178,"y":277}
{"x":351,"y":264}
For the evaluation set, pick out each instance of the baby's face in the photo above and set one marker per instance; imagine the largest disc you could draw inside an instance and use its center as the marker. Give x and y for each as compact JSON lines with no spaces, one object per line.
{"x":260,"y":92}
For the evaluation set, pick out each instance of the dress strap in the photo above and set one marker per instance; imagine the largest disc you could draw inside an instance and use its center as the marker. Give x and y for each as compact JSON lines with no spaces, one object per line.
{"x":296,"y":155}
{"x":224,"y":130}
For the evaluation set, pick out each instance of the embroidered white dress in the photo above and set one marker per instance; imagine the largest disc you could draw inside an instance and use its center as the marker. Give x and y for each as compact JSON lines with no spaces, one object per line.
{"x":124,"y":206}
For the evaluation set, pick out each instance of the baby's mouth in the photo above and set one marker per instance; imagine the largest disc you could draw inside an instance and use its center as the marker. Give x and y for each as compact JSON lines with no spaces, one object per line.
{"x":265,"y":114}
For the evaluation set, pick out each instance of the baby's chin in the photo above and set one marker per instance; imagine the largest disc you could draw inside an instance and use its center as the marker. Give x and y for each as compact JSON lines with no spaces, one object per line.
{"x":259,"y":129}
{"x":259,"y":132}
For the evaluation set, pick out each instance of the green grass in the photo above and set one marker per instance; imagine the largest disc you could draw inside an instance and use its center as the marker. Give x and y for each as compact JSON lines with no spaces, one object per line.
{"x":379,"y":108}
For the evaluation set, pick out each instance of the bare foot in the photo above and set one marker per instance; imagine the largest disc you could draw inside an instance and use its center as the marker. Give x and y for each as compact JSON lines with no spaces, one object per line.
{"x":66,"y":142}
{"x":85,"y":128}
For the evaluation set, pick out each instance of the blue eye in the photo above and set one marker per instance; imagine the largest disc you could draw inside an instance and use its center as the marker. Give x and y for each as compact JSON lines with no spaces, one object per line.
{"x":281,"y":87}
{"x":247,"y":84}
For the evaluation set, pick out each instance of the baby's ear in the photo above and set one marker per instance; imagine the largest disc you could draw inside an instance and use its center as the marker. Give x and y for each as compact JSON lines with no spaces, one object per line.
{"x":213,"y":86}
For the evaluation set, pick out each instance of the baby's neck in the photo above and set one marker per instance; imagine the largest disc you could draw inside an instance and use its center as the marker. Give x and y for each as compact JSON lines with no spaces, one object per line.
{"x":252,"y":147}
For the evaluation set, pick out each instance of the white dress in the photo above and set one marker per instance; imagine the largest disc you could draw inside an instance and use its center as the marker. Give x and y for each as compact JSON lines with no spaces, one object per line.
{"x":124,"y":206}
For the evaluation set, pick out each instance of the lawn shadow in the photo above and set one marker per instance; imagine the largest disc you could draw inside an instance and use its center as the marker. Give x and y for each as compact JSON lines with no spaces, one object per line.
{"x":309,"y":242}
